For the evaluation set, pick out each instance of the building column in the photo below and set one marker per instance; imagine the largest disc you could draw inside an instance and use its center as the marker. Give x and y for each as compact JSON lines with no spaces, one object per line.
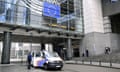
{"x":80,"y":48}
{"x":6,"y":48}
{"x":49,"y":47}
{"x":69,"y":49}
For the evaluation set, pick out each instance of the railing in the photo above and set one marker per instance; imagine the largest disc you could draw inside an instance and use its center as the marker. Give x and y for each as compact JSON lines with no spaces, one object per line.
{"x":99,"y":63}
{"x":93,"y":62}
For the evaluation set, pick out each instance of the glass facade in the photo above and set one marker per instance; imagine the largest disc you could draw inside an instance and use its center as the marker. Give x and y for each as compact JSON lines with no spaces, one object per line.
{"x":19,"y":51}
{"x":19,"y":12}
{"x":63,"y":18}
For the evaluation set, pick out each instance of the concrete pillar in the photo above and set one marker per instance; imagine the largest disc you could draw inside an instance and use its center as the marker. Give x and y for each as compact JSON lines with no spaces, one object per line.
{"x":80,"y":48}
{"x":93,"y":27}
{"x":69,"y":49}
{"x":49,"y":47}
{"x":6,"y":48}
{"x":93,"y":17}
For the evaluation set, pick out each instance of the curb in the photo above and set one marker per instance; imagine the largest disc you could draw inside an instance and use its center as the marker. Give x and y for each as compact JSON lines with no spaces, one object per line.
{"x":92,"y":65}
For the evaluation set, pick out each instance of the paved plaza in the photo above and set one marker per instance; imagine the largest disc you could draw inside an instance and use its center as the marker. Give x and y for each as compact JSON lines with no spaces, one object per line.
{"x":66,"y":68}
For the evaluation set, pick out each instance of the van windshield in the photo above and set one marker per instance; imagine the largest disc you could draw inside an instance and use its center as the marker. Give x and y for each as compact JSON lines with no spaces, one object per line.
{"x":52,"y":54}
{"x":38,"y":54}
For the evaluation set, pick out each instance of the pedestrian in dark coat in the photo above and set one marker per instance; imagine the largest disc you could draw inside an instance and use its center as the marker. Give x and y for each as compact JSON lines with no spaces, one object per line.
{"x":29,"y":59}
{"x":87,"y":53}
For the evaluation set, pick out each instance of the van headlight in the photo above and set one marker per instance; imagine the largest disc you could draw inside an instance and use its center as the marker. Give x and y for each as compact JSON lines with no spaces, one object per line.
{"x":47,"y":62}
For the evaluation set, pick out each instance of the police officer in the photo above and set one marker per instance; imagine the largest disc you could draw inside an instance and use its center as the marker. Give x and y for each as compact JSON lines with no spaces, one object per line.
{"x":29,"y":59}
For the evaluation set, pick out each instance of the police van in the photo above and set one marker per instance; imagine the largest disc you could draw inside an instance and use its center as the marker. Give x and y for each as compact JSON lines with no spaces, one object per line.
{"x":47,"y":60}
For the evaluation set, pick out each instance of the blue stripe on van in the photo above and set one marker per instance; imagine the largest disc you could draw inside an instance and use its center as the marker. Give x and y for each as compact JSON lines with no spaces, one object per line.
{"x":41,"y":62}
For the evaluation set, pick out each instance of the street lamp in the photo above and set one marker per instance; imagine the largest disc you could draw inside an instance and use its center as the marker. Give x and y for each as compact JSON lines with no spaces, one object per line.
{"x":31,"y":34}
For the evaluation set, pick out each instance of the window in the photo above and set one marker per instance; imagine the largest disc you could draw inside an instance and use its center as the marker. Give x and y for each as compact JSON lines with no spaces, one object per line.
{"x":2,"y":7}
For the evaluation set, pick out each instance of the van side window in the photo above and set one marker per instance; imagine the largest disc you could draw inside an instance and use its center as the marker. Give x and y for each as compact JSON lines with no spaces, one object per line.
{"x":33,"y":54}
{"x":43,"y":55}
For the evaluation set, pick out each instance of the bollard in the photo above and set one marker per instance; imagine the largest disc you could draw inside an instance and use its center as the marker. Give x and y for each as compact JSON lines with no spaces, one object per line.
{"x":75,"y":61}
{"x":99,"y":63}
{"x":91,"y":62}
{"x":110,"y":63}
{"x":82,"y":61}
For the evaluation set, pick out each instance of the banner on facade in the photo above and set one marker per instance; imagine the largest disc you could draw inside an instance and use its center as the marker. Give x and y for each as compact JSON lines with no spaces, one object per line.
{"x":51,"y":10}
{"x":66,"y":18}
{"x":34,"y":5}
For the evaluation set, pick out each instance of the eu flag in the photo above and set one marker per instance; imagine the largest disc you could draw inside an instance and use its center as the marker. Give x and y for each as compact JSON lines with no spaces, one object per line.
{"x":51,"y":10}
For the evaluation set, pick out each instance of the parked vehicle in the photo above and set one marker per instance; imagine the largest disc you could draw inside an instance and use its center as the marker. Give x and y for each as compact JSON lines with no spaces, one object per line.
{"x":47,"y":60}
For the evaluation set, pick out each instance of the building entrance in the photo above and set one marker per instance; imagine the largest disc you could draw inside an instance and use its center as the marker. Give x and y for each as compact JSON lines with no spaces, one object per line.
{"x":21,"y":46}
{"x":115,"y":23}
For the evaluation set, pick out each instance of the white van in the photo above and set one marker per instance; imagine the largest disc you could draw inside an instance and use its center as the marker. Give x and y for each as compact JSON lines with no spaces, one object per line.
{"x":47,"y":60}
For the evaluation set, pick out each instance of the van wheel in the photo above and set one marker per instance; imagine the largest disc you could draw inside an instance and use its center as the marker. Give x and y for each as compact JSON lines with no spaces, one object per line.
{"x":45,"y":66}
{"x":59,"y":69}
{"x":32,"y":65}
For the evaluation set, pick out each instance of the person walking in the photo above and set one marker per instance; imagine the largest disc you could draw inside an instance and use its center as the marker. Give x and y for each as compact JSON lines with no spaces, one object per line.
{"x":107,"y":50}
{"x":87,"y":53}
{"x":29,"y":59}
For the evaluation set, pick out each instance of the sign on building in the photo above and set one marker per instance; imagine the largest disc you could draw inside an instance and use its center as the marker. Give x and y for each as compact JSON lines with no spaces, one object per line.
{"x":51,"y":10}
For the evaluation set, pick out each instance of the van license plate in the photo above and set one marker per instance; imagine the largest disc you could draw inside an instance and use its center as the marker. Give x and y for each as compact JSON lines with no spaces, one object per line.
{"x":57,"y":66}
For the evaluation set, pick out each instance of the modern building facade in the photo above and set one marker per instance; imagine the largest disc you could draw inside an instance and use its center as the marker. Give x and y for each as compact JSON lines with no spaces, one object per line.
{"x":67,"y":25}
{"x":55,"y":22}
